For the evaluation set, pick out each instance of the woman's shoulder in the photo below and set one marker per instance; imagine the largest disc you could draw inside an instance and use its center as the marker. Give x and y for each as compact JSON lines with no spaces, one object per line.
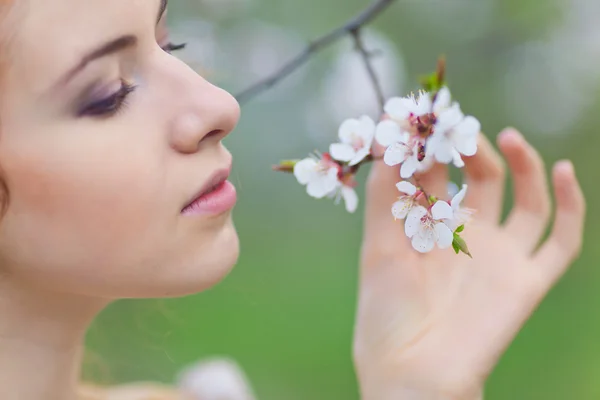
{"x":134,"y":391}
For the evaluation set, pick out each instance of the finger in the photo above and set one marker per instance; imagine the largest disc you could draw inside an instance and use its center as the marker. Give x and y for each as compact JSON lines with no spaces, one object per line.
{"x":531,"y":211}
{"x":435,"y":180}
{"x":381,"y":193}
{"x":565,"y":241}
{"x":484,"y":173}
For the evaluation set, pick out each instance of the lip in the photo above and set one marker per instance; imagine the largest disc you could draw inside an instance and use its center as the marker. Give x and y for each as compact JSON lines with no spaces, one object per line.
{"x":216,"y":196}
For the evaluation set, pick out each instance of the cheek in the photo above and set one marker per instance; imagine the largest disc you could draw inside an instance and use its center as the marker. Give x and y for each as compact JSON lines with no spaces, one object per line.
{"x":100,"y":207}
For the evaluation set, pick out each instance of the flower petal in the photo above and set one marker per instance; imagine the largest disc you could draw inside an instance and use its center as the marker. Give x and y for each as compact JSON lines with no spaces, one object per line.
{"x":441,"y":210}
{"x":323,"y":184}
{"x":448,"y":118}
{"x":350,"y":198}
{"x":406,"y":187}
{"x":442,"y":100}
{"x":348,"y":130}
{"x":402,"y":207}
{"x":458,"y":198}
{"x":423,"y":242}
{"x":304,"y":170}
{"x":466,"y":136}
{"x":444,"y":235}
{"x":413,"y":220}
{"x":425,"y":164}
{"x":398,"y":108}
{"x":423,"y":104}
{"x":394,"y":154}
{"x":387,"y":133}
{"x":341,"y":152}
{"x":360,"y":155}
{"x":366,"y":129}
{"x":457,"y":159}
{"x":409,"y":167}
{"x":452,"y":224}
{"x":444,"y":151}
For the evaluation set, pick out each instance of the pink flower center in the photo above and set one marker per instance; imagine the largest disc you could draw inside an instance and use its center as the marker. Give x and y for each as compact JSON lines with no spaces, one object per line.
{"x":357,"y":143}
{"x":348,"y":179}
{"x":422,"y":126}
{"x":326,"y":163}
{"x":427,"y":221}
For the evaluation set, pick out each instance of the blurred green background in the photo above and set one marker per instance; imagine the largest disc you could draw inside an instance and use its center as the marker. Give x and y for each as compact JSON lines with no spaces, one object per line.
{"x":286,"y":311}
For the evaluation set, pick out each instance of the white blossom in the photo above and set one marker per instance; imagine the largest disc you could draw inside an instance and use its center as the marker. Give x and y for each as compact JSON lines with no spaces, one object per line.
{"x":405,"y":203}
{"x":443,"y":101}
{"x":407,"y":130}
{"x":402,"y":108}
{"x":401,"y":147}
{"x":323,"y":178}
{"x":425,"y":229}
{"x":453,"y":135}
{"x":437,"y":125}
{"x":460,"y":215}
{"x":319,"y":175}
{"x":348,"y":194}
{"x":356,"y":137}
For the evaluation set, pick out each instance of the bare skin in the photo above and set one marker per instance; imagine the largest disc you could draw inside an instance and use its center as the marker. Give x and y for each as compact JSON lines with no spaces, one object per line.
{"x":94,"y":199}
{"x":437,"y":323}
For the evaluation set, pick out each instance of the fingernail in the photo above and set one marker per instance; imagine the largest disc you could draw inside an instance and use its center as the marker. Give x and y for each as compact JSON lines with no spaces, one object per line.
{"x":511,"y":132}
{"x":565,"y":166}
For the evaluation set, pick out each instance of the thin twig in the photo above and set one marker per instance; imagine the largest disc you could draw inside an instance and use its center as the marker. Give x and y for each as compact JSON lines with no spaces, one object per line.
{"x":366,"y":16}
{"x":356,"y":35}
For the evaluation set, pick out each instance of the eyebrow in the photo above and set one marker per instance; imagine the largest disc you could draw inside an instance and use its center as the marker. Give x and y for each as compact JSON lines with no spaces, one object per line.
{"x":112,"y":47}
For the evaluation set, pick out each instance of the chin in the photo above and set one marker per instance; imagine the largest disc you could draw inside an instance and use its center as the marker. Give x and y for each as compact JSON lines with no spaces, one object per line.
{"x":208,"y":266}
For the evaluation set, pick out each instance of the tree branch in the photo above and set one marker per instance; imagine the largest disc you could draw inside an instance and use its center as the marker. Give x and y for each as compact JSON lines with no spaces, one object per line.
{"x":351,"y":27}
{"x":356,"y":34}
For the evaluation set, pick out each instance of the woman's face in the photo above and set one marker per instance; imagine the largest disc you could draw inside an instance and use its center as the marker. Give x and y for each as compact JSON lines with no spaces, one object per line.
{"x":105,"y":138}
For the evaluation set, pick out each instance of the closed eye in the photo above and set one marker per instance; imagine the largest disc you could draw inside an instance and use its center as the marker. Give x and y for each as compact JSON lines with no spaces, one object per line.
{"x":110,"y":105}
{"x":171,"y":47}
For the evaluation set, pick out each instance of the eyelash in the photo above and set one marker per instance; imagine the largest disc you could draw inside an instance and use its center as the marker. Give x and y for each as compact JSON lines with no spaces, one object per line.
{"x":171,"y":47}
{"x":110,"y":105}
{"x":114,"y":103}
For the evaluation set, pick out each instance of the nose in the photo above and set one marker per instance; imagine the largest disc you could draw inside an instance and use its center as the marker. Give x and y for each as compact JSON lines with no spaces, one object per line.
{"x":210,"y":111}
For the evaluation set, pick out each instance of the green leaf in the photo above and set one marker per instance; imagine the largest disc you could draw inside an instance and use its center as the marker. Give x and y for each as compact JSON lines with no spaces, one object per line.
{"x":461,"y":245}
{"x":431,"y":83}
{"x":435,"y":81}
{"x":460,"y":229}
{"x":455,"y":247}
{"x":289,"y":163}
{"x":286,"y":166}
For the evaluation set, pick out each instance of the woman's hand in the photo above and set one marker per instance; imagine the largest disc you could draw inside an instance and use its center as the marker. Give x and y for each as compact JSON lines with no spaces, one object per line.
{"x":433,"y":326}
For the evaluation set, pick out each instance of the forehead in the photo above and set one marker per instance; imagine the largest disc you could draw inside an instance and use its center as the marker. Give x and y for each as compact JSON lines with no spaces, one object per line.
{"x":51,"y":36}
